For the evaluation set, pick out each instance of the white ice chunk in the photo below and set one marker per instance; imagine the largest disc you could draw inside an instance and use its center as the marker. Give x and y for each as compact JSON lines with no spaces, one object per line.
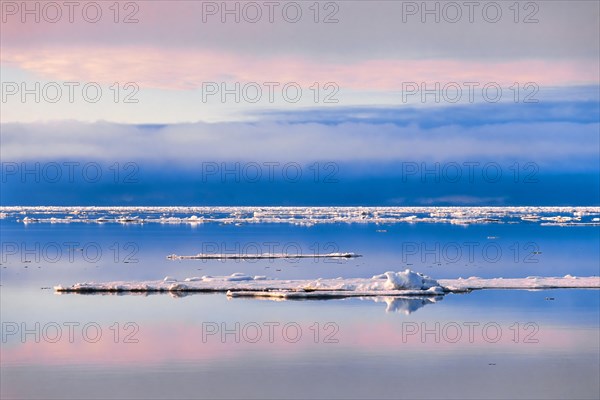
{"x":238,"y":276}
{"x":408,"y":279}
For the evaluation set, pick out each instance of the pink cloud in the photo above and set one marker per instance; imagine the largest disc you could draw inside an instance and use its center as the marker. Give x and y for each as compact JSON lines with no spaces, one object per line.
{"x":179,"y":69}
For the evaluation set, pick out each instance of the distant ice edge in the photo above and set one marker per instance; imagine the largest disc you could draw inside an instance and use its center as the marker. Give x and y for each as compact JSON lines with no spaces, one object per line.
{"x":388,"y":284}
{"x":306,"y":216}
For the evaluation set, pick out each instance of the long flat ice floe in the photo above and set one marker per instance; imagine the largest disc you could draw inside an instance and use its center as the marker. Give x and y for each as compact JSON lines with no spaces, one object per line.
{"x":390,"y":284}
{"x":531,"y":282}
{"x":264,"y":256}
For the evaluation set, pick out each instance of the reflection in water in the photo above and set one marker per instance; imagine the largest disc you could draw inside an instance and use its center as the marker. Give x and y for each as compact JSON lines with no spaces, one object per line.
{"x":406,"y":305}
{"x":174,"y":353}
{"x":401,"y":304}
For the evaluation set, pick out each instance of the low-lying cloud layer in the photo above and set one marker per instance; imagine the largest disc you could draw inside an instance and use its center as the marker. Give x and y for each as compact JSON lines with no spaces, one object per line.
{"x":569,"y":142}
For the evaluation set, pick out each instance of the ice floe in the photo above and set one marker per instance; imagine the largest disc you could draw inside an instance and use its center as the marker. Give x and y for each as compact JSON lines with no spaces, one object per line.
{"x":391,"y":284}
{"x":531,"y":282}
{"x":266,"y":256}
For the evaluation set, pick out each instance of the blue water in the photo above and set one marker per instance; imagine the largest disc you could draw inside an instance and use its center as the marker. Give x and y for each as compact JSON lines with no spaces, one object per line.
{"x":523,"y":344}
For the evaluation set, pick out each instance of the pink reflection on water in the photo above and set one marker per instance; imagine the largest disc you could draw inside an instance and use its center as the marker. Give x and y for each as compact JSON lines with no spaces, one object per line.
{"x":184,"y":342}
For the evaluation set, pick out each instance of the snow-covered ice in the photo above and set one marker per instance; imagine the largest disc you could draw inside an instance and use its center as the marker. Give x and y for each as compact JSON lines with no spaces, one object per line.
{"x":531,"y":282}
{"x":403,"y":283}
{"x":262,"y":256}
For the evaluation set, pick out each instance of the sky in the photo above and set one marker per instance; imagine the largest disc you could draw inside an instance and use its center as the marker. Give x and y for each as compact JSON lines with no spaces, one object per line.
{"x":307,"y":103}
